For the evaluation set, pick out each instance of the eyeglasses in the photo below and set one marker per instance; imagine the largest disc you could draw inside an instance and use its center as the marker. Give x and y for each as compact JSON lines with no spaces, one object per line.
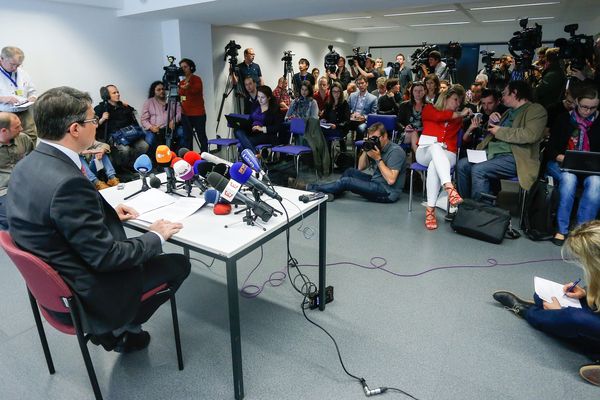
{"x":94,"y":120}
{"x":587,"y":108}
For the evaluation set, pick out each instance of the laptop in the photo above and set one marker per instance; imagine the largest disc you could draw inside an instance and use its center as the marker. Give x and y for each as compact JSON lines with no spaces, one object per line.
{"x":581,"y":162}
{"x":237,"y":122}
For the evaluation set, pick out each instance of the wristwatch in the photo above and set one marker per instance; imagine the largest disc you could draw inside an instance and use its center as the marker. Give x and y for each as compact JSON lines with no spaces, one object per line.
{"x":380,"y":160}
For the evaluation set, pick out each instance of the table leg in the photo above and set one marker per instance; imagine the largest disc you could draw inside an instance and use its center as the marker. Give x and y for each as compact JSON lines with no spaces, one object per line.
{"x":186,"y":252}
{"x":322,"y":253}
{"x":234,"y":328}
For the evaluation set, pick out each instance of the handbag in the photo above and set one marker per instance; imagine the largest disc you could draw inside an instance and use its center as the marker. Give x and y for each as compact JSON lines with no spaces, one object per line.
{"x":128,"y":135}
{"x":483,"y":221}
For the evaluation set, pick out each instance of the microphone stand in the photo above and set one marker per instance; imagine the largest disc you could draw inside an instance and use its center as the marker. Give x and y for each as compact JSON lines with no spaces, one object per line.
{"x":249,"y":219}
{"x":144,"y":185}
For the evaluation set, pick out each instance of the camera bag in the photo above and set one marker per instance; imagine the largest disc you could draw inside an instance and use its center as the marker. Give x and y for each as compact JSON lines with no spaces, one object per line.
{"x":483,"y":221}
{"x":128,"y":135}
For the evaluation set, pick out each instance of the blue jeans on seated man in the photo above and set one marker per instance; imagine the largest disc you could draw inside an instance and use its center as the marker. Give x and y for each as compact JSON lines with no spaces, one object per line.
{"x":357,"y":182}
{"x":91,"y":170}
{"x":589,"y":204}
{"x":474,"y":179}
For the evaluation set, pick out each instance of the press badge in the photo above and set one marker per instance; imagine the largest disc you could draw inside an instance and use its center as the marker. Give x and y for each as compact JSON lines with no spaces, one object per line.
{"x":182,"y":98}
{"x":20,"y":92}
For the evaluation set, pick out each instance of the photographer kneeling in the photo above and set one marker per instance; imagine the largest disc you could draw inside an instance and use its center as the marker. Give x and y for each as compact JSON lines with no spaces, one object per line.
{"x":388,"y":161}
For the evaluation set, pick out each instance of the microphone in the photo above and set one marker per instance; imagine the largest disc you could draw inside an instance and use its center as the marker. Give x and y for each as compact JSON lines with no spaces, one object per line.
{"x":185,"y":172}
{"x":164,"y":155}
{"x":251,"y":160}
{"x":174,"y":160}
{"x":143,"y":165}
{"x":155,"y":181}
{"x":241,"y":173}
{"x":203,"y":167}
{"x":182,"y":151}
{"x":214,"y":159}
{"x":222,"y":169}
{"x":229,"y":189}
{"x":191,"y":157}
{"x":212,"y":196}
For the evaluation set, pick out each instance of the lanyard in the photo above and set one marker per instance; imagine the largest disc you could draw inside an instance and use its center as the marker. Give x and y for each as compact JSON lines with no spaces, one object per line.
{"x":9,"y":76}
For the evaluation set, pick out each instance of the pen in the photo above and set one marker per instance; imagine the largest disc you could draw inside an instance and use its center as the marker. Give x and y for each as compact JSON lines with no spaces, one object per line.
{"x":570,"y":288}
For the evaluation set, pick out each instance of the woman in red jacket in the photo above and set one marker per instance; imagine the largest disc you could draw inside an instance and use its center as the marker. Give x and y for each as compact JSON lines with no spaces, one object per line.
{"x":193,"y":116}
{"x":443,"y":122}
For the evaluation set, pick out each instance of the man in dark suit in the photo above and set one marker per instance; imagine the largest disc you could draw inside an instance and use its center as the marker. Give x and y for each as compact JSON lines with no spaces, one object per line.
{"x":55,"y":213}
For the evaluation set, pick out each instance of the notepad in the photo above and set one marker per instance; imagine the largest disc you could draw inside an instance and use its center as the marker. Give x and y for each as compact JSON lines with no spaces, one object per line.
{"x":476,"y":156}
{"x":546,"y":290}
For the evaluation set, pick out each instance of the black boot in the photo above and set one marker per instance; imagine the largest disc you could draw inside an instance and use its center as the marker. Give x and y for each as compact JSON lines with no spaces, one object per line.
{"x":513,"y":303}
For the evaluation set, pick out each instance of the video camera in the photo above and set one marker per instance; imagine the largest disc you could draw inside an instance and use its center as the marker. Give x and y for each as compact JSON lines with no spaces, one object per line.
{"x":420,"y":56}
{"x":331,"y":60}
{"x":525,"y":41}
{"x":358,"y":57}
{"x":287,"y":56}
{"x":488,"y":60}
{"x":172,"y":73}
{"x":231,"y":50}
{"x":577,"y":48}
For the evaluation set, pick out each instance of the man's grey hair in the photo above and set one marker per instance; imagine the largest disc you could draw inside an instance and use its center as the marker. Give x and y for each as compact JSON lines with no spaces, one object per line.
{"x":10,"y":52}
{"x":58,"y":108}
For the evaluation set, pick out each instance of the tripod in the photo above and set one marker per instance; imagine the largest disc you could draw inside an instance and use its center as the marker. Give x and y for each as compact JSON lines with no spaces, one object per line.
{"x":288,"y":74}
{"x":173,"y":102}
{"x":229,"y":87}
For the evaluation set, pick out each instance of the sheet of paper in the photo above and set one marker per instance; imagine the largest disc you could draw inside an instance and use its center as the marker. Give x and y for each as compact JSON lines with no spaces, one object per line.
{"x":546,"y":289}
{"x":325,"y":125}
{"x":476,"y":156}
{"x":149,"y":200}
{"x":175,"y":212}
{"x":426,"y":140}
{"x":23,"y":106}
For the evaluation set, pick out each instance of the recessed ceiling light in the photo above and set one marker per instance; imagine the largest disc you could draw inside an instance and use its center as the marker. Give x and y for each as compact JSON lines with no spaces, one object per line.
{"x":547,"y":3}
{"x":538,"y":18}
{"x":341,"y":19}
{"x":419,"y":13}
{"x":373,"y":27}
{"x":499,"y":20}
{"x":443,"y":23}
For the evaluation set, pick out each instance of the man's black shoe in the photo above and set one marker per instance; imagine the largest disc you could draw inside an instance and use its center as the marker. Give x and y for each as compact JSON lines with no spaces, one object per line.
{"x":131,"y":342}
{"x":106,"y":340}
{"x":512,"y":303}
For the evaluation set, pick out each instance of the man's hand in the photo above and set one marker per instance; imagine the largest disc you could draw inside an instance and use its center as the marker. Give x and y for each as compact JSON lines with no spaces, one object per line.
{"x":154,"y":128}
{"x":257,"y":128}
{"x":495,"y":117}
{"x":104,"y":117}
{"x":166,"y":228}
{"x":375,"y":154}
{"x":172,"y":125}
{"x":560,"y":158}
{"x":493,"y":129}
{"x":11,"y":100}
{"x":32,"y":99}
{"x":125,"y":212}
{"x":555,"y":305}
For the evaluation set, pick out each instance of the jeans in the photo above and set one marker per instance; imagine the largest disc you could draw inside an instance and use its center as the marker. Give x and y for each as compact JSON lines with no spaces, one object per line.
{"x":439,"y":161}
{"x":249,"y":141}
{"x":156,"y":139}
{"x":474,"y":179}
{"x":3,"y":220}
{"x":356,"y":182}
{"x":196,"y":123}
{"x":589,"y":204}
{"x":580,"y":325}
{"x":90,"y":169}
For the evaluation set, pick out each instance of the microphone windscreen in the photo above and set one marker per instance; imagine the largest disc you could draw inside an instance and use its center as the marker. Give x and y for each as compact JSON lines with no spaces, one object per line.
{"x":163,"y":154}
{"x":174,"y":160}
{"x":222,"y":169}
{"x":222,"y":209}
{"x":183,"y":170}
{"x":202,"y":168}
{"x":142,"y":164}
{"x":212,"y":196}
{"x":250,"y":159}
{"x":154,"y":182}
{"x":240,"y":172}
{"x":191,"y":157}
{"x":182,"y":152}
{"x":217,"y":181}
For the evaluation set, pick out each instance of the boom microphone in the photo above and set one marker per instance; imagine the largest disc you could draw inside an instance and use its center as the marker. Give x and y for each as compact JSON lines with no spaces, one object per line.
{"x":214,"y":159}
{"x":260,"y":209}
{"x":241,"y":173}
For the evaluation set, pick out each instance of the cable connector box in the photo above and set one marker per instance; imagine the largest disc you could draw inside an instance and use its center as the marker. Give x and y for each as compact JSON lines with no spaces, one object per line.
{"x":313,"y":300}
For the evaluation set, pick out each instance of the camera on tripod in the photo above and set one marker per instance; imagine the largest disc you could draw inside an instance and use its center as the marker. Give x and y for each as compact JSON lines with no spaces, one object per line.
{"x":488,"y":60}
{"x":525,"y":41}
{"x":231,"y":50}
{"x":331,"y":60}
{"x":358,"y":57}
{"x":420,"y":56}
{"x":172,"y":73}
{"x":452,"y":54}
{"x":371,"y":143}
{"x":578,"y":49}
{"x":287,"y":56}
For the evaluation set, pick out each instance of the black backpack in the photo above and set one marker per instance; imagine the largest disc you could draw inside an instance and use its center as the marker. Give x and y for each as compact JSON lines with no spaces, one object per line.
{"x":539,"y":216}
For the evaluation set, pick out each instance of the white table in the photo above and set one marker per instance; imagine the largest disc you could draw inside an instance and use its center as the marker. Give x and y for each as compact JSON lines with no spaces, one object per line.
{"x":206,"y":233}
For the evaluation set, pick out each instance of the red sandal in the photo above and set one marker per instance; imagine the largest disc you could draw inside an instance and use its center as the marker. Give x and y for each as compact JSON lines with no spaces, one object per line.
{"x":453,"y":197}
{"x":430,"y":220}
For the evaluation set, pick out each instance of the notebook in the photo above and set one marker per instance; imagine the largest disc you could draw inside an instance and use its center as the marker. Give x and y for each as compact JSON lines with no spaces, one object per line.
{"x":581,"y":162}
{"x":237,"y":122}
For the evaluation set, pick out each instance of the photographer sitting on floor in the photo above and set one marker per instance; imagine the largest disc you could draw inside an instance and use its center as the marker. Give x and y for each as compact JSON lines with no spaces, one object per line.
{"x":387,"y":160}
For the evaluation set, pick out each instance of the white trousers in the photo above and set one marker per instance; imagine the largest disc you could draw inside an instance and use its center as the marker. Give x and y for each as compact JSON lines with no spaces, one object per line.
{"x":439,"y":162}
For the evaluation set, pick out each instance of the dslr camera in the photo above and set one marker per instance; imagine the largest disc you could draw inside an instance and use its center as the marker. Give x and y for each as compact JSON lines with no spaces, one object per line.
{"x":525,"y":42}
{"x":172,"y":73}
{"x":420,"y":56}
{"x":331,"y":60}
{"x":577,"y":49}
{"x":371,"y":143}
{"x":358,"y":57}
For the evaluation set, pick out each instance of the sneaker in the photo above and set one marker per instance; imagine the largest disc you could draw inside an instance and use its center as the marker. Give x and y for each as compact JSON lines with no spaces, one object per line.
{"x":297,"y":184}
{"x":114,"y":181}
{"x":131,"y":342}
{"x":591,"y":373}
{"x":101,"y":185}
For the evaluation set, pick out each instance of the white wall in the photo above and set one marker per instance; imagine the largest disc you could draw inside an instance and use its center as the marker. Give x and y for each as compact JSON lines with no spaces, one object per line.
{"x":84,"y":47}
{"x":269,"y":41}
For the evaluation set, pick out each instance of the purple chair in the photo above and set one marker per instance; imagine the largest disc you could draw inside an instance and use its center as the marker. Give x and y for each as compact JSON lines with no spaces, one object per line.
{"x":48,"y":291}
{"x":227,"y":142}
{"x":297,"y":127}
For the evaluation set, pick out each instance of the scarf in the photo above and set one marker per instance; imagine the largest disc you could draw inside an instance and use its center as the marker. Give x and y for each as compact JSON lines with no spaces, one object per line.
{"x":579,"y":139}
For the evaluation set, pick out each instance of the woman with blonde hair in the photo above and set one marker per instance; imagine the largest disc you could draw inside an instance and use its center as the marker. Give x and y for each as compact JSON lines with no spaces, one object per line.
{"x":580,"y":326}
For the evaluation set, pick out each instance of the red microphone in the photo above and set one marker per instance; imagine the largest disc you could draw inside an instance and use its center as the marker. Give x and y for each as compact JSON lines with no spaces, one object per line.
{"x":191,"y":157}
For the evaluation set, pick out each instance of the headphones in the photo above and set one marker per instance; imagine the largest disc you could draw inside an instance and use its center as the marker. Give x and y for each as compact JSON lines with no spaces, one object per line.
{"x":104,"y":95}
{"x":190,"y":63}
